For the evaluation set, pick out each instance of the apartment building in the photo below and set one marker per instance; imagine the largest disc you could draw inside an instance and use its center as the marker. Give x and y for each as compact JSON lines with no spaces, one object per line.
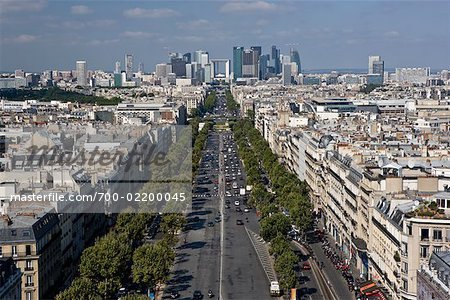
{"x":433,"y":279}
{"x":373,"y":174}
{"x":32,"y":238}
{"x":10,"y":280}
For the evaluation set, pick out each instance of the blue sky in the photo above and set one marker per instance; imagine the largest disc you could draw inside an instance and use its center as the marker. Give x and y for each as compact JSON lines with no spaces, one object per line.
{"x":40,"y":34}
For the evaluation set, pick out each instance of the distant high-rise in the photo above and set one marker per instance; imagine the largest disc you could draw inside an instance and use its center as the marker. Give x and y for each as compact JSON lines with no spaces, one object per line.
{"x":161,"y":71}
{"x":198,"y":55}
{"x":295,"y":58}
{"x":257,"y":50}
{"x":372,"y":60}
{"x":129,"y":66}
{"x":141,"y":67}
{"x":178,"y":66}
{"x":276,"y":63}
{"x":286,"y":75}
{"x":117,"y":67}
{"x":376,"y":66}
{"x":204,"y":59}
{"x":249,"y":63}
{"x":237,"y":62}
{"x":81,"y":73}
{"x":187,"y":57}
{"x":262,"y":66}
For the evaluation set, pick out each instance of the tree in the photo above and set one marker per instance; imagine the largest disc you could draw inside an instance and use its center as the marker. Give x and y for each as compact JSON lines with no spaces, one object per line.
{"x":105,"y":263}
{"x":81,"y":288}
{"x":170,"y":224}
{"x":278,"y":245}
{"x":133,"y":224}
{"x":152,"y":263}
{"x":284,"y":266}
{"x":274,"y":225}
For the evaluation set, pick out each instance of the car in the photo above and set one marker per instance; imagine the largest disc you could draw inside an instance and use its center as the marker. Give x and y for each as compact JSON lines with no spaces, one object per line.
{"x":210,"y":224}
{"x":197,"y":295}
{"x":217,"y":219}
{"x":238,"y":209}
{"x":237,"y":203}
{"x":239,"y":222}
{"x":306,"y":266}
{"x":122,"y":292}
{"x":246,"y":209}
{"x":227,"y":206}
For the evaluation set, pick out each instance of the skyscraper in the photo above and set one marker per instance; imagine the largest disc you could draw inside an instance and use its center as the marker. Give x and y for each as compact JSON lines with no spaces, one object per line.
{"x":276,"y":59}
{"x":141,"y":67}
{"x":249,"y":63}
{"x":257,"y":49}
{"x":129,"y":66}
{"x":117,"y":67}
{"x":187,"y":57}
{"x":198,"y":55}
{"x":81,"y":73}
{"x":376,"y":66}
{"x":262,"y":67}
{"x":372,"y":60}
{"x":237,"y":62}
{"x":286,"y":75}
{"x":295,"y":58}
{"x":178,"y":66}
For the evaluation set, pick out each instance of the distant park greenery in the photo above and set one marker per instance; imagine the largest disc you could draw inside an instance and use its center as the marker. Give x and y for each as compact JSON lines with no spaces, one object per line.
{"x":231,"y":103}
{"x":55,"y":94}
{"x":198,"y":141}
{"x":368,"y":88}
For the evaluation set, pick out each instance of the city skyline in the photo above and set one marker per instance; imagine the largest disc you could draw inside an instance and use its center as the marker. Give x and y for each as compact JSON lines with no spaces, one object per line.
{"x":52,"y":35}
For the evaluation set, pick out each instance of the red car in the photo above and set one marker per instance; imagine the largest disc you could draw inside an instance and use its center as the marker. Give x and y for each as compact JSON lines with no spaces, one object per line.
{"x":306,"y":266}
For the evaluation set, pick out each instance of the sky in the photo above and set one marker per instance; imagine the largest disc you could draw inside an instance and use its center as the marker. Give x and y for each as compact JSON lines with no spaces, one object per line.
{"x":39,"y":34}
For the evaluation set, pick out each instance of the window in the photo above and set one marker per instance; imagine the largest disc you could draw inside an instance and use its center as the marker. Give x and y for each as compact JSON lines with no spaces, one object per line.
{"x":424,"y":234}
{"x":29,"y":264}
{"x":405,"y":285}
{"x":1,"y":251}
{"x":409,"y":227}
{"x":13,"y":232}
{"x":29,"y":295}
{"x":14,"y":250}
{"x":424,"y":251}
{"x":28,"y":249}
{"x":29,"y":280}
{"x":437,"y":249}
{"x":437,"y":235}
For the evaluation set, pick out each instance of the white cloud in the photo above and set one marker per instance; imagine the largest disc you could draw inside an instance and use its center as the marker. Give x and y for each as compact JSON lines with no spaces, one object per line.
{"x":102,"y":42}
{"x":150,"y":13}
{"x":137,"y":34}
{"x":21,"y":39}
{"x":92,"y":24}
{"x":195,"y":24}
{"x":392,"y":34}
{"x":191,"y":39}
{"x":80,"y":10}
{"x":21,"y":6}
{"x":238,"y":6}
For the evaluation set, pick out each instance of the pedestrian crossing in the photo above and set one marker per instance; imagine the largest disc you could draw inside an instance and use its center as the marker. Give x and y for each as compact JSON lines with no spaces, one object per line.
{"x":262,"y":251}
{"x":204,"y":195}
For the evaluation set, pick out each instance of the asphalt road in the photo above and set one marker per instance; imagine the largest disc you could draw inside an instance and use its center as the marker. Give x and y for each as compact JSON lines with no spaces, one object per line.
{"x":243,"y":275}
{"x":231,"y":269}
{"x":197,"y":261}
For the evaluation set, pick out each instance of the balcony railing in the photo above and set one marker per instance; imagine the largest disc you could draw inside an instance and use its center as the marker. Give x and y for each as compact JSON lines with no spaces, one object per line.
{"x":29,"y":269}
{"x":29,"y":284}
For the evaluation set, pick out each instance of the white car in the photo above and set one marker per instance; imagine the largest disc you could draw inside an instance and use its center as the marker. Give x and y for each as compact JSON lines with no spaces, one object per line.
{"x":237,"y":203}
